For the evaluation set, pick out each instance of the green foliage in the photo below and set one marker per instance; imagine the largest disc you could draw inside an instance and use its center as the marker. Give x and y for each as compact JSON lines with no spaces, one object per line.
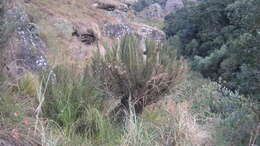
{"x":234,"y":116}
{"x":237,"y":115}
{"x":138,"y":80}
{"x":221,"y":38}
{"x":28,"y":84}
{"x":95,"y":126}
{"x":68,"y":97}
{"x":8,"y":107}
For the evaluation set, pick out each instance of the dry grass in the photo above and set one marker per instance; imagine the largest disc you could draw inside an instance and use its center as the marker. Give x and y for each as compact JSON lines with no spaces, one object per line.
{"x":178,"y":125}
{"x":72,"y":52}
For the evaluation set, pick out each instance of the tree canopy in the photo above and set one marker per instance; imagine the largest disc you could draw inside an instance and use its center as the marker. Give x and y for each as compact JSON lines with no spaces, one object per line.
{"x":221,"y":39}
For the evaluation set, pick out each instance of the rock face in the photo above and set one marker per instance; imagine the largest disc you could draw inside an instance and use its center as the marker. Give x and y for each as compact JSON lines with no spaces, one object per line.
{"x":146,"y":32}
{"x":25,"y":50}
{"x":117,"y":30}
{"x":111,"y":6}
{"x":173,"y":5}
{"x":129,"y":2}
{"x":154,"y":11}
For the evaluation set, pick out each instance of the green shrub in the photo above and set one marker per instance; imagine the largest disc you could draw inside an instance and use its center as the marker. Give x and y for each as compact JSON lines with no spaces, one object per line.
{"x":138,"y":80}
{"x":8,"y":108}
{"x":68,"y":97}
{"x":28,"y":84}
{"x":234,"y":117}
{"x":221,"y":39}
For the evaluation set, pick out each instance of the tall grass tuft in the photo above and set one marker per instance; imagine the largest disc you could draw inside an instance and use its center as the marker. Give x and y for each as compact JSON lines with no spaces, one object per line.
{"x":124,"y":72}
{"x":68,"y":97}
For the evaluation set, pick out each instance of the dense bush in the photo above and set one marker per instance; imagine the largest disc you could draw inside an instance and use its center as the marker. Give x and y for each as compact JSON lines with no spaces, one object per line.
{"x":68,"y":98}
{"x":221,"y":38}
{"x":234,"y":117}
{"x":237,"y":116}
{"x":137,"y":79}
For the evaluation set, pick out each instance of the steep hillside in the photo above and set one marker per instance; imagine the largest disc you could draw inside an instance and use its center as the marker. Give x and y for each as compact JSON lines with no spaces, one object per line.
{"x":71,"y":76}
{"x":73,"y":29}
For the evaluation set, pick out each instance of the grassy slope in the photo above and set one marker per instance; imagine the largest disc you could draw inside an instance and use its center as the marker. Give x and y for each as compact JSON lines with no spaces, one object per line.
{"x":185,"y":117}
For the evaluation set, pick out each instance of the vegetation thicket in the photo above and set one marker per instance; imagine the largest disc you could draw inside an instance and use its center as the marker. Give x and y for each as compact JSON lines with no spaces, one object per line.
{"x":128,"y":97}
{"x":221,"y":38}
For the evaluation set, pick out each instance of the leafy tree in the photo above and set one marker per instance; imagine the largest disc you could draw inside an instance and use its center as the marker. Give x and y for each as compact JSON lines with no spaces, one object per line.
{"x":221,"y":39}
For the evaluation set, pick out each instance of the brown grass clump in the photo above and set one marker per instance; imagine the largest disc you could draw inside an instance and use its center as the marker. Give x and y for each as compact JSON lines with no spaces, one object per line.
{"x":178,"y":126}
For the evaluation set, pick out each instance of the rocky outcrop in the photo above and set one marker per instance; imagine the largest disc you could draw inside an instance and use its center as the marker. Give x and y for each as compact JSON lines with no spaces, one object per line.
{"x":25,"y":49}
{"x":115,"y":9}
{"x":118,"y":14}
{"x":111,"y":6}
{"x":147,"y":32}
{"x":129,"y":2}
{"x":154,"y":11}
{"x":80,"y":32}
{"x":173,"y":5}
{"x":118,"y":30}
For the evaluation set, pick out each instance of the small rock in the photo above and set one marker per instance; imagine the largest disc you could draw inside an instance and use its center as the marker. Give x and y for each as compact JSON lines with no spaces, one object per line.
{"x":111,"y":6}
{"x":129,"y":2}
{"x":173,"y":5}
{"x":118,"y":14}
{"x":154,"y":11}
{"x":151,"y":33}
{"x":117,"y":30}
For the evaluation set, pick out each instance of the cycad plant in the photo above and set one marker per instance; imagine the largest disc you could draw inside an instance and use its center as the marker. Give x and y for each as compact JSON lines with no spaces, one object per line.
{"x":138,"y":80}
